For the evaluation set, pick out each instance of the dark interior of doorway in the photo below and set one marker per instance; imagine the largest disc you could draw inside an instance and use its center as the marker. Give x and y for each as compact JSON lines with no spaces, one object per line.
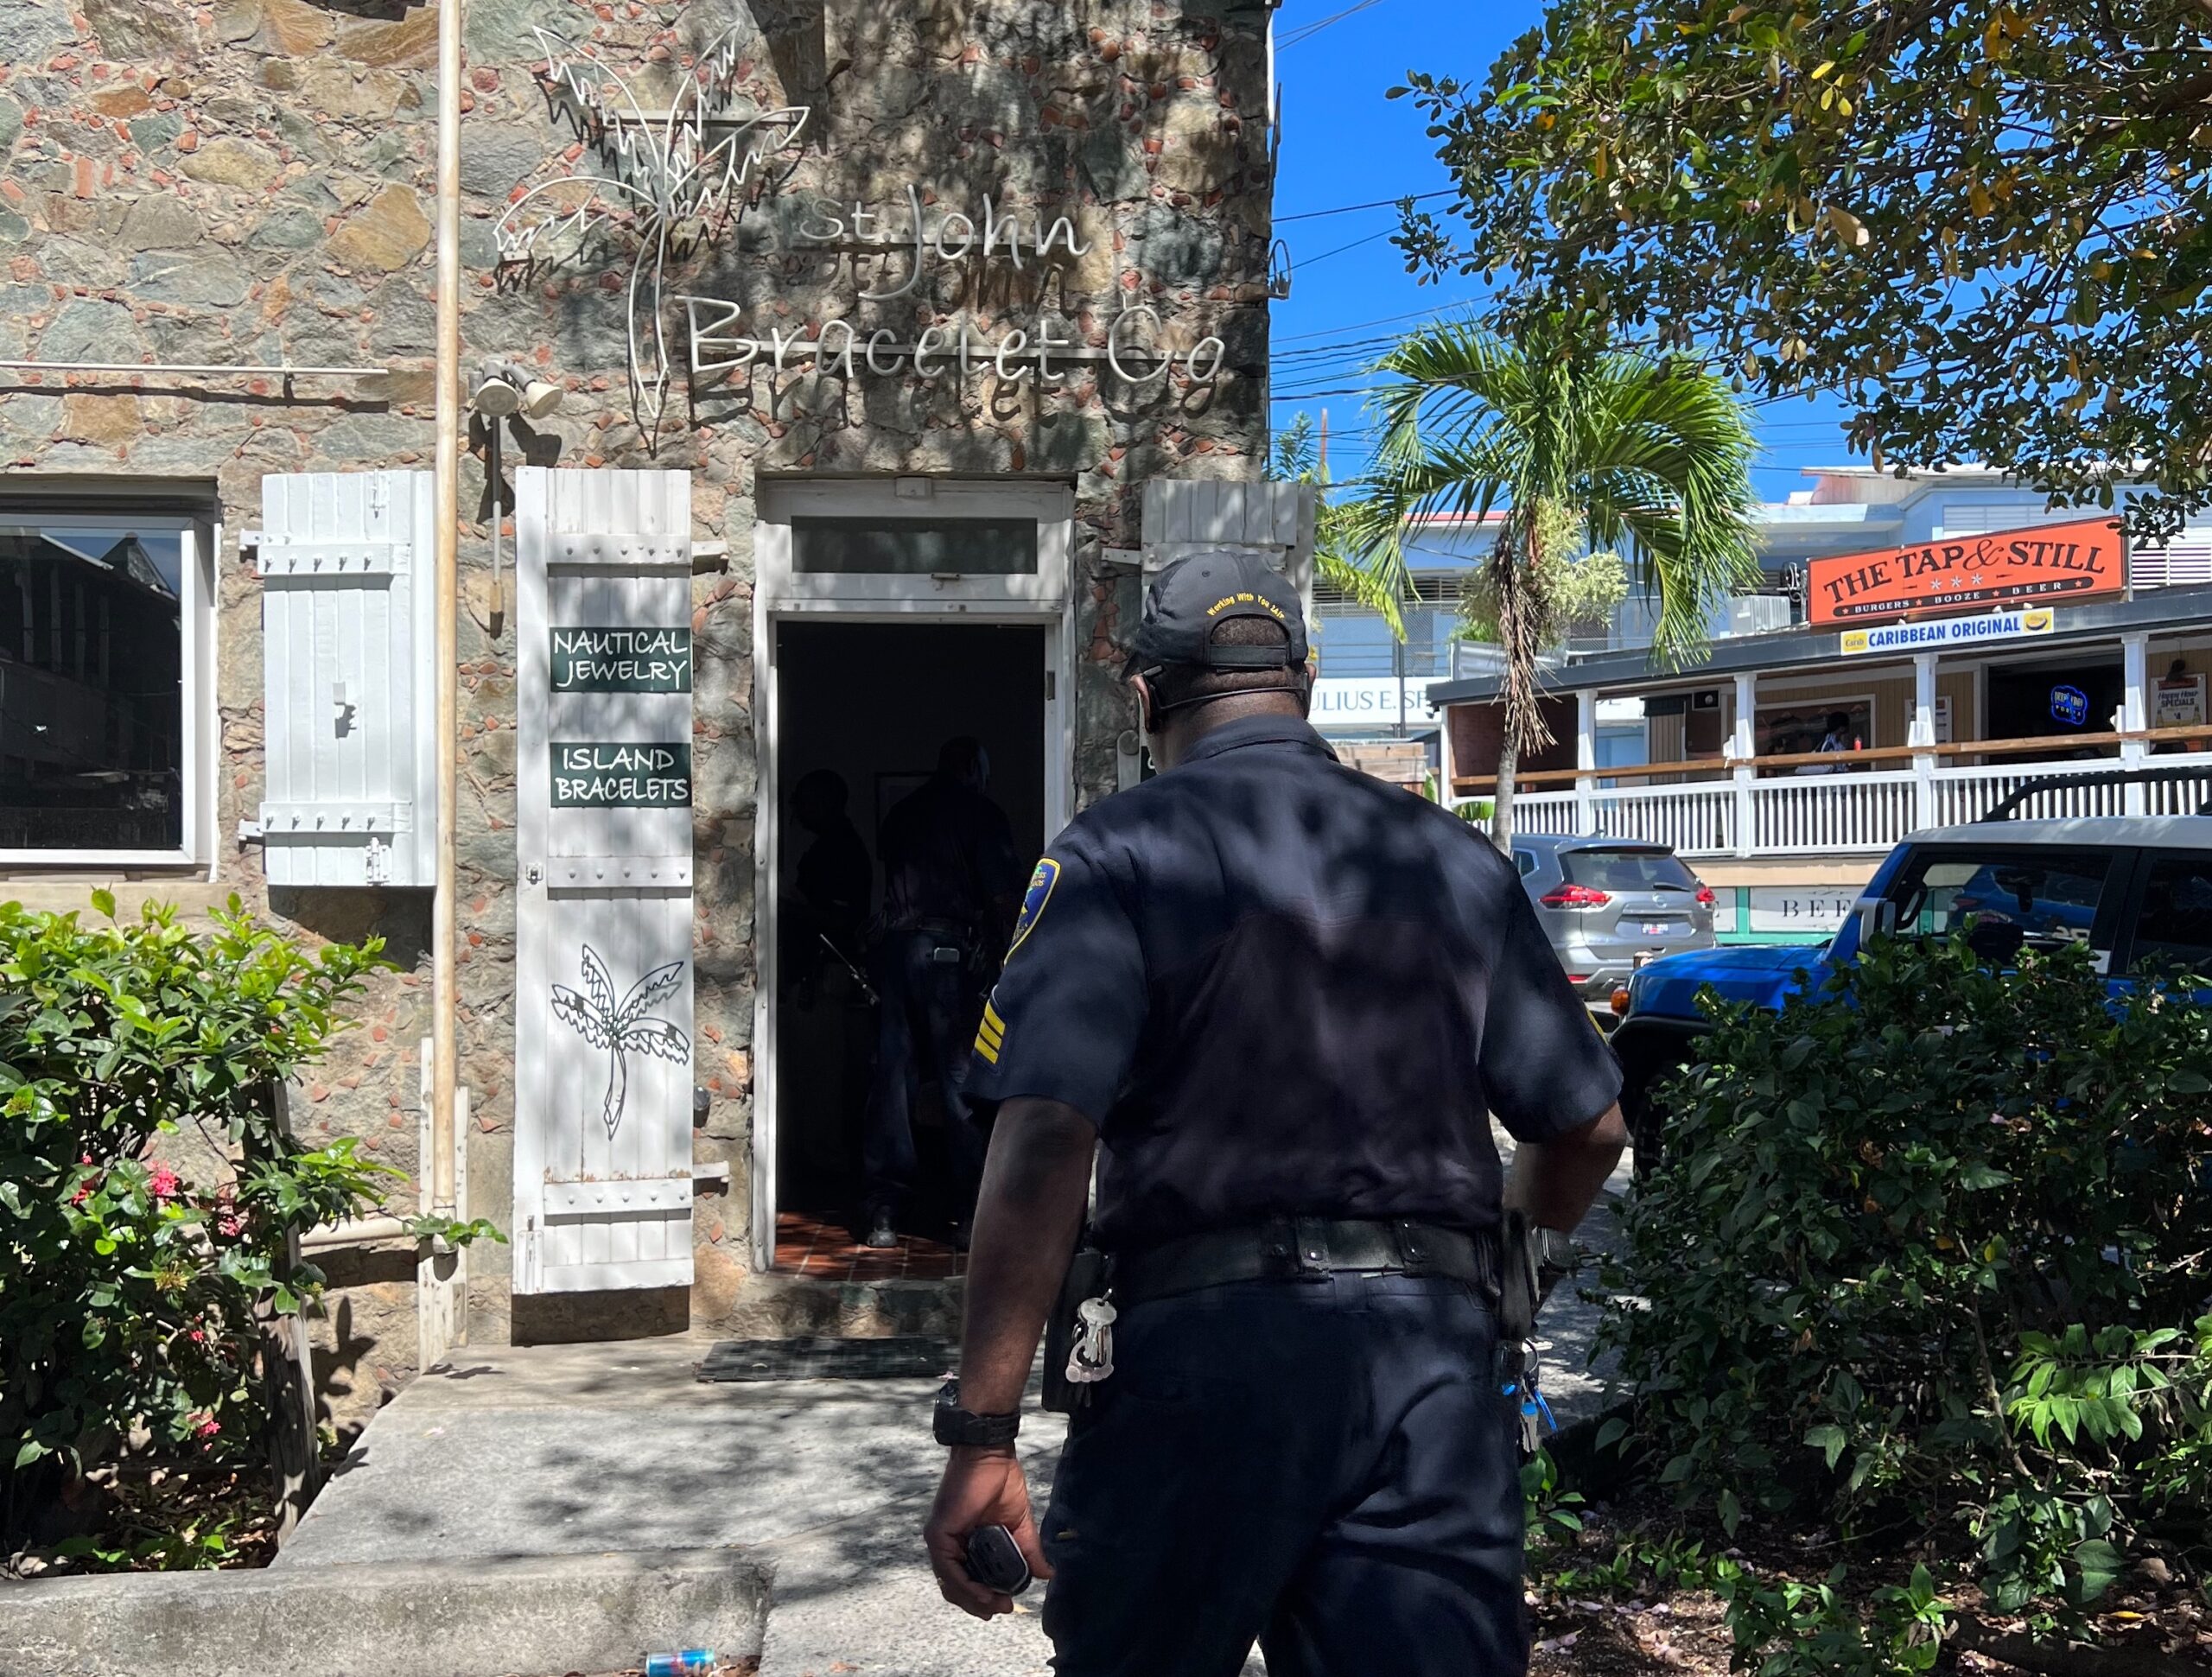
{"x":2033,"y":701}
{"x":872,"y":702}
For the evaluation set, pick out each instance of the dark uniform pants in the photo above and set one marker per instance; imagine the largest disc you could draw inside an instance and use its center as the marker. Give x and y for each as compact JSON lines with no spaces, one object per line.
{"x":924,"y":1030}
{"x":1328,"y":1467}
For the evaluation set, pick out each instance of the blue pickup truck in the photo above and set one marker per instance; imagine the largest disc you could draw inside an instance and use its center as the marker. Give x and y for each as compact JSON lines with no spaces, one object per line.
{"x":2137,"y":890}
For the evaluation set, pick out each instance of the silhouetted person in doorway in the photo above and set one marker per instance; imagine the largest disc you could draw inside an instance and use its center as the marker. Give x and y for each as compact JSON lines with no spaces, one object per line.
{"x":836,"y":877}
{"x":951,"y":885}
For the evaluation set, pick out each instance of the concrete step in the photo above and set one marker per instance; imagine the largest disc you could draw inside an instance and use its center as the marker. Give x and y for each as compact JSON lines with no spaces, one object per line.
{"x":776,"y":1306}
{"x":478,"y":1617}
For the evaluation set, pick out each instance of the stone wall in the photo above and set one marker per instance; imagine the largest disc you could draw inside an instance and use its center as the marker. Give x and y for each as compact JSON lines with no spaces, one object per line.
{"x":252,"y":184}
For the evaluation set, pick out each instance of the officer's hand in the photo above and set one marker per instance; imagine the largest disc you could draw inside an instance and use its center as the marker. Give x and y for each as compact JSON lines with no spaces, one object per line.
{"x":981,"y":1487}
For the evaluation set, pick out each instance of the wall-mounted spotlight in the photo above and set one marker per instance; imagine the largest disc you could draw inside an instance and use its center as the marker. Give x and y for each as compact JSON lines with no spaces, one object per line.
{"x":503,"y":389}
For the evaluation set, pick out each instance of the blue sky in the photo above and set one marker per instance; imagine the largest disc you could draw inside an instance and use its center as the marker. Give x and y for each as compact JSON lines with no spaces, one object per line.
{"x":1344,"y":143}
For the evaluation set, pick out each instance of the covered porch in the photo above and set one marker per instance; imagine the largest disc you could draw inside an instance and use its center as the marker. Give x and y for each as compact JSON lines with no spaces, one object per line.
{"x":1732,"y":767}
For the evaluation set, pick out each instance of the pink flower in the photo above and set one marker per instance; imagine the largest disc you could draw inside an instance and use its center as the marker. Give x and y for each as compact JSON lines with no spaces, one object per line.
{"x":163,"y":1186}
{"x":230,"y":1226}
{"x":196,"y":1336}
{"x":204,"y":1426}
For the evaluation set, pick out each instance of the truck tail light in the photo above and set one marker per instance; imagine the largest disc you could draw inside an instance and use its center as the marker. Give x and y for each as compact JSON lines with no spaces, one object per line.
{"x":1574,"y":896}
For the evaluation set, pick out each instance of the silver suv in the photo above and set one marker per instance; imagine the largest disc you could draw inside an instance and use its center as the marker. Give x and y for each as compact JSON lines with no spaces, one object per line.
{"x":1610,"y":905}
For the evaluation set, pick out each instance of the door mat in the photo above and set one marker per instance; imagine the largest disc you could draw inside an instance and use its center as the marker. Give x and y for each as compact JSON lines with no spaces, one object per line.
{"x":909,"y":1357}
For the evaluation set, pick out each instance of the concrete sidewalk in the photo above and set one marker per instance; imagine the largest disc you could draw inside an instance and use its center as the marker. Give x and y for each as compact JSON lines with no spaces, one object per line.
{"x":582,"y":1450}
{"x":586,"y":1449}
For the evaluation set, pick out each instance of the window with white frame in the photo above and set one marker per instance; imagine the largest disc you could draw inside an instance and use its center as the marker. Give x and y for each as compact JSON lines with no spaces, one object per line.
{"x":914,"y":541}
{"x":105,"y":640}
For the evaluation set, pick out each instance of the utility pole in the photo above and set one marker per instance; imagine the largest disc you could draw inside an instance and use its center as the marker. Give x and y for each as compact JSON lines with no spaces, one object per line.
{"x":445,"y":988}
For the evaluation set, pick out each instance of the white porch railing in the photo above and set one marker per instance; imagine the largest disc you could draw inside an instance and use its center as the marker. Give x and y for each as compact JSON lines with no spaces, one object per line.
{"x":1852,"y":813}
{"x":1811,"y":815}
{"x":1698,"y":819}
{"x":1968,"y":794}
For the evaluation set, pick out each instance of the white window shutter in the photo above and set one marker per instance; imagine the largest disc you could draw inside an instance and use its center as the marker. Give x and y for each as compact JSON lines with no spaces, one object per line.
{"x":1274,"y":520}
{"x":348,"y":632}
{"x":603,"y":971}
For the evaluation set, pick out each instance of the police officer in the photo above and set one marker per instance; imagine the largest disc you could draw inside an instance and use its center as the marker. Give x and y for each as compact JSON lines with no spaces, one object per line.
{"x":1280,"y":999}
{"x":951,"y":881}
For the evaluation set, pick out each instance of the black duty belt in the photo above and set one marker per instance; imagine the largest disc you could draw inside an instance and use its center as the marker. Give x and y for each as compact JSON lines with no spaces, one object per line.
{"x":1306,"y":1248}
{"x":952,"y":930}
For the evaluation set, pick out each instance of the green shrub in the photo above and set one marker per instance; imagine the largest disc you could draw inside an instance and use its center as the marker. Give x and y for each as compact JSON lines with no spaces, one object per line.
{"x":1927,"y":1259}
{"x":127,"y":1287}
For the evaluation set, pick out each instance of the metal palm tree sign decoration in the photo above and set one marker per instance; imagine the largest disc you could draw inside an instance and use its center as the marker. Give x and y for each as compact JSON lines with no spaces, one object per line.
{"x":623,"y":1031}
{"x":675,"y":181}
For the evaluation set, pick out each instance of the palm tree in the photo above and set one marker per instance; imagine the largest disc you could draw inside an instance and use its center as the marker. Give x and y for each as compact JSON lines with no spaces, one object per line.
{"x":1646,"y":453}
{"x":1365,"y":578}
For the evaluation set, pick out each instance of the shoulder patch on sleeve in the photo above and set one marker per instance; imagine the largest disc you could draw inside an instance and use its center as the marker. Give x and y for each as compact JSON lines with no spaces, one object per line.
{"x":990,"y":1035}
{"x":1032,"y":904}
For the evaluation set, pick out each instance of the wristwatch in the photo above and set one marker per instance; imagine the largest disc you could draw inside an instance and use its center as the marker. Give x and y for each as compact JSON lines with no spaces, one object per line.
{"x":955,"y":1425}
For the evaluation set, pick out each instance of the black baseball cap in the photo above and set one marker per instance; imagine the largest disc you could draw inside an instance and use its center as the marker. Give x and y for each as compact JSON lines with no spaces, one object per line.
{"x":1186,"y":601}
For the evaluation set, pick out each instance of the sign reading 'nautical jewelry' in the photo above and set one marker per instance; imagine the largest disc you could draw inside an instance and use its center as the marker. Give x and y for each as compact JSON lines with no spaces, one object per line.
{"x":655,"y":660}
{"x":2082,"y":561}
{"x":620,"y":775}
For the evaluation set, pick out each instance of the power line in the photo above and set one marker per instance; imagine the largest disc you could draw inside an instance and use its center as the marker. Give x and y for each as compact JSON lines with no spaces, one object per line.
{"x":1387,"y":320}
{"x":1340,"y":250}
{"x":1309,"y":30}
{"x":1379,"y":204}
{"x":1315,"y":396}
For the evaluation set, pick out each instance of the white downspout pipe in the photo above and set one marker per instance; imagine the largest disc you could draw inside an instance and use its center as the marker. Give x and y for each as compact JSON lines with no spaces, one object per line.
{"x":445,"y":998}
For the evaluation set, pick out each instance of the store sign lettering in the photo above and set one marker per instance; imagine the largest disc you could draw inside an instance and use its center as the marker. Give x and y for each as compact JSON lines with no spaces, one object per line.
{"x":2086,"y":560}
{"x":618,"y":775}
{"x":1342,"y":702}
{"x":1800,"y":908}
{"x":622,"y":660}
{"x":1041,"y":351}
{"x":986,"y":230}
{"x":2180,"y":702}
{"x":1950,"y":631}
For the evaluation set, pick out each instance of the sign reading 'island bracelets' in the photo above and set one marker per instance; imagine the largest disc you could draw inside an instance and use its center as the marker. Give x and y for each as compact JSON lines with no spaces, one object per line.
{"x":2050,"y":564}
{"x":621,"y":776}
{"x":622,"y":660}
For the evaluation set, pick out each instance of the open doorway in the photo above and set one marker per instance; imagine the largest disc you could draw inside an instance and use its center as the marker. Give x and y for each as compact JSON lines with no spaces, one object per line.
{"x":2056,"y":700}
{"x":864,"y":709}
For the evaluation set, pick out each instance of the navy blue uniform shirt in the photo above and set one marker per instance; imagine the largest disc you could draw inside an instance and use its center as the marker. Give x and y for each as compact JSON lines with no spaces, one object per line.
{"x":1281,"y":987}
